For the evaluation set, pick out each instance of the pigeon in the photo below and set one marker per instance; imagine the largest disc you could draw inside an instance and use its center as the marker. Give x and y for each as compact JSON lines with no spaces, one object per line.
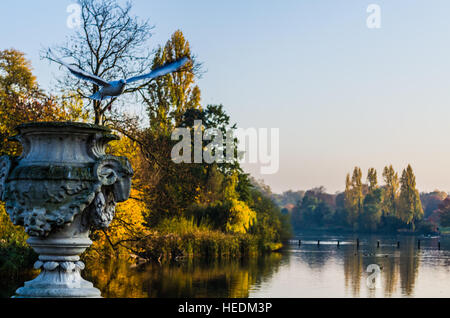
{"x":116,"y":88}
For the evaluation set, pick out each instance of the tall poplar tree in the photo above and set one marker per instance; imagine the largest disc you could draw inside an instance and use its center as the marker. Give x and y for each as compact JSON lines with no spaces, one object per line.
{"x":372,"y":203}
{"x":372,"y":179}
{"x":357,"y":190}
{"x":391,"y":191}
{"x":410,"y":207}
{"x":354,"y":197}
{"x":169,"y":97}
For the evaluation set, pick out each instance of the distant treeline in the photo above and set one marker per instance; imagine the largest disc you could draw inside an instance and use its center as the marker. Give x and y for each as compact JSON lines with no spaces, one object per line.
{"x":395,"y":206}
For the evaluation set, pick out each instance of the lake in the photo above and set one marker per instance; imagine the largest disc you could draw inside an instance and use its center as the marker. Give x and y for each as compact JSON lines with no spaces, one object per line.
{"x":308,"y":270}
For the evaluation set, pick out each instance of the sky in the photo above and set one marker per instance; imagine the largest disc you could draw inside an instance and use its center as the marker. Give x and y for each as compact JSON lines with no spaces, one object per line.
{"x":341,"y":94}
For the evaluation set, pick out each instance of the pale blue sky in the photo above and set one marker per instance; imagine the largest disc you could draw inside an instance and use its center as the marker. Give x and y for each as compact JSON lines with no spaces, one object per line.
{"x":341,"y":94}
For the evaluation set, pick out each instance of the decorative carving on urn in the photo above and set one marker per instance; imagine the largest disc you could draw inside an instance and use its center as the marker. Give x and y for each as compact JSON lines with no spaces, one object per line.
{"x":62,"y":186}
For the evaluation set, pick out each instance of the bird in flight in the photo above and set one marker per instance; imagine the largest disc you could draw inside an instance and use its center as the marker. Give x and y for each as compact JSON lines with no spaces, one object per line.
{"x":116,"y":88}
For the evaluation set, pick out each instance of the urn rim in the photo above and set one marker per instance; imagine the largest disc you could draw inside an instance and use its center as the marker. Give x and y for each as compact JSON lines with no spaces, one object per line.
{"x":63,"y":124}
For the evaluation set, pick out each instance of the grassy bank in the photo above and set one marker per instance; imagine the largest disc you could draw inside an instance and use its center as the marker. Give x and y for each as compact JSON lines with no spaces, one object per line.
{"x":176,"y":239}
{"x":184,"y":238}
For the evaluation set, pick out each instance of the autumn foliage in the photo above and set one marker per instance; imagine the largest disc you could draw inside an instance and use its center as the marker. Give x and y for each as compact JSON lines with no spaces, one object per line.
{"x":175,"y":210}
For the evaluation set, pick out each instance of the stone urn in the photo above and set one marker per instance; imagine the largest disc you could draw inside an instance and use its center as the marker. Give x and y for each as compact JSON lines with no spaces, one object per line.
{"x":61,"y":187}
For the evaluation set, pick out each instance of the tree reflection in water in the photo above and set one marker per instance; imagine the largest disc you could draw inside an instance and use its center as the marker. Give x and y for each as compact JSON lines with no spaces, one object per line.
{"x":394,"y":263}
{"x":190,"y":278}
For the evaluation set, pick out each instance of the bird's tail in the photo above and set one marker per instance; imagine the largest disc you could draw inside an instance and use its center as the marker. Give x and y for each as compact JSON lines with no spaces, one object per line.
{"x":96,"y":96}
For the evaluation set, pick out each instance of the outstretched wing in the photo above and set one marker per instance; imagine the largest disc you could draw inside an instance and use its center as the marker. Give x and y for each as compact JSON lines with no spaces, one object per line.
{"x":160,"y":71}
{"x":82,"y":74}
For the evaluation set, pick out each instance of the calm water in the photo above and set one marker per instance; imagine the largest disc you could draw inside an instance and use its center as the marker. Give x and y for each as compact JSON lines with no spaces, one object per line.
{"x":299,"y":271}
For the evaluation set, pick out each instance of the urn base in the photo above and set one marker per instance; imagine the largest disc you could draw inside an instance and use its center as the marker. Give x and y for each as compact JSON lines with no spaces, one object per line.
{"x":45,"y":287}
{"x":60,"y":266}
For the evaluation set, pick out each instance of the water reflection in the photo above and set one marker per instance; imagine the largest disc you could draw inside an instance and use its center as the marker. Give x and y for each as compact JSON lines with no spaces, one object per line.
{"x":353,"y":267}
{"x":393,"y":262}
{"x":226,"y":278}
{"x":332,"y":270}
{"x":308,"y":270}
{"x":409,"y":265}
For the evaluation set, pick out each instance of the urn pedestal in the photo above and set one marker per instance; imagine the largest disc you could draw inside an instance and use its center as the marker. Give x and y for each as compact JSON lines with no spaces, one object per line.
{"x":60,"y":188}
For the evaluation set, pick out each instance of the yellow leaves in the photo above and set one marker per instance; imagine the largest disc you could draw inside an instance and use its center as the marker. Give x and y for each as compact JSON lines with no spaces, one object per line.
{"x":127,"y":224}
{"x":15,"y":72}
{"x":72,"y":107}
{"x":241,"y":217}
{"x":8,"y":231}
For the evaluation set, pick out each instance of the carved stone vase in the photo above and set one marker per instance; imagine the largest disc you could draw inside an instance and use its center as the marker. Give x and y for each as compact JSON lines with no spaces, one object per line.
{"x":62,"y":186}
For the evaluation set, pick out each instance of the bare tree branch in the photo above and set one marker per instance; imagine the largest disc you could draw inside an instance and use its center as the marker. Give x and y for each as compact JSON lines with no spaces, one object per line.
{"x":111,"y":43}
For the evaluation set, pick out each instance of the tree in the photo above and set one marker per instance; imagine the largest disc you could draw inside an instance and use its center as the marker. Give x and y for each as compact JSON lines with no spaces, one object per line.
{"x":21,"y":99}
{"x":270,"y":225}
{"x":168,"y":98}
{"x":372,"y":209}
{"x":357,"y":188}
{"x":372,"y":206}
{"x":372,"y":179}
{"x":391,"y":191}
{"x":444,"y":212}
{"x":431,"y":201}
{"x":111,"y":44}
{"x":315,"y":209}
{"x":16,"y":77}
{"x":172,"y":101}
{"x":340,"y":214}
{"x":348,"y":199}
{"x":288,"y":197}
{"x":410,"y":206}
{"x":175,"y":91}
{"x":308,"y":210}
{"x":354,"y":197}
